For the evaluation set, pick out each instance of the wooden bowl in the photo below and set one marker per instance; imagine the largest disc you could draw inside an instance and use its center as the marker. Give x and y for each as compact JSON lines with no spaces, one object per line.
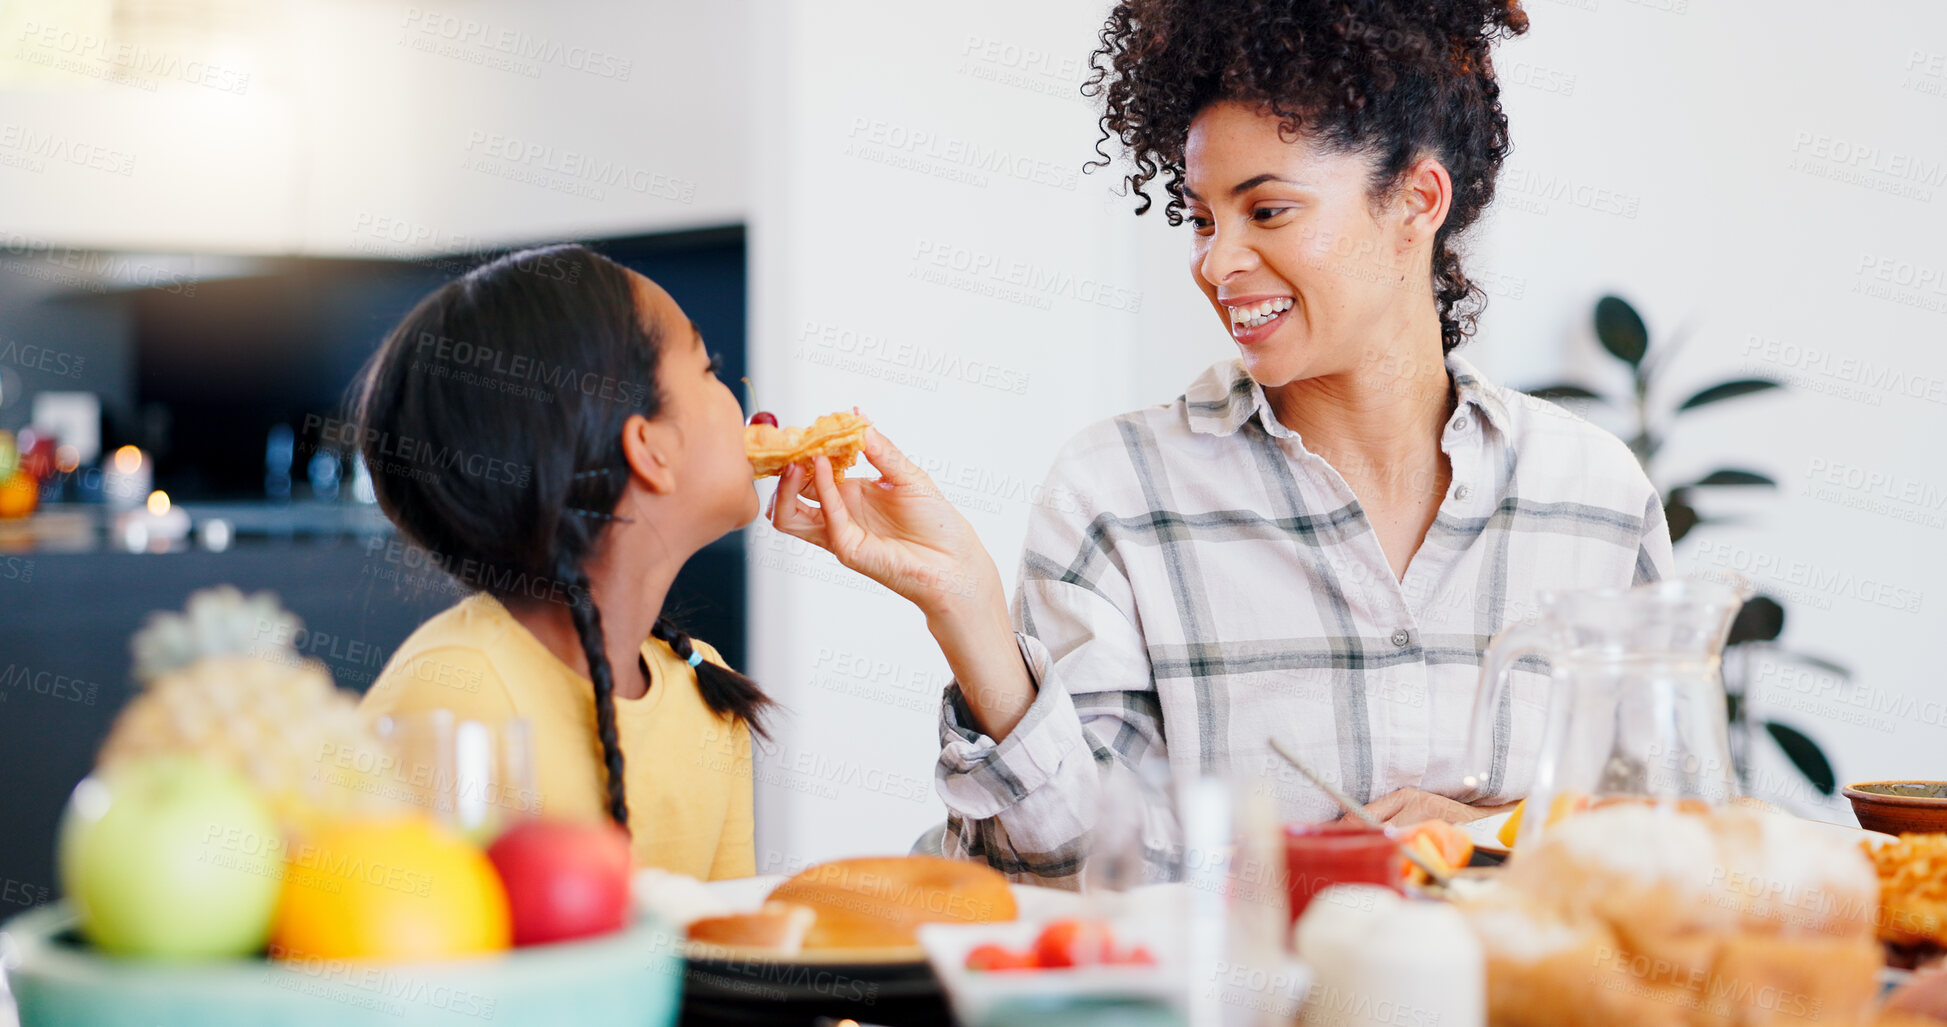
{"x":1894,"y":807}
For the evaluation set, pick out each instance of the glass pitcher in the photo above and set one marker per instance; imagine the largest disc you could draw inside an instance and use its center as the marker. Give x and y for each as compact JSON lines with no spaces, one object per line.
{"x":1636,"y":708}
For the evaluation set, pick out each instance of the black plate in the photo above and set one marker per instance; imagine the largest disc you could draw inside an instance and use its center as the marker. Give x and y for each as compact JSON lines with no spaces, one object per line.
{"x":776,"y":993}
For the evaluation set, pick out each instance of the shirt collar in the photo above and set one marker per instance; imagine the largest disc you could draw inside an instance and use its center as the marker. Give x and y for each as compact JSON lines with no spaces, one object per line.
{"x":1224,"y":397}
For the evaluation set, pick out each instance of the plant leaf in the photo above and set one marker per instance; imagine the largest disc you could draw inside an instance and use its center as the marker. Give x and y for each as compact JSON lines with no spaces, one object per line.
{"x":1733,"y":476}
{"x":1728,"y":390}
{"x":1806,"y":755}
{"x":1565,"y":390}
{"x":1680,"y":515}
{"x":1760,"y":620}
{"x":1667,"y":349}
{"x":1825,"y":665}
{"x":1621,"y":330}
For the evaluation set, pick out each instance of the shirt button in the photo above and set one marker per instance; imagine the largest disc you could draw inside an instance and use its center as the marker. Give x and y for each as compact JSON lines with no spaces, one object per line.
{"x":1463,"y":492}
{"x":1400,"y":638}
{"x":1461,"y":423}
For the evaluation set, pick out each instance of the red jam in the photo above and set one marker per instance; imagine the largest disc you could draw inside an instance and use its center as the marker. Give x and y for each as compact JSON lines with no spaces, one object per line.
{"x":1318,"y":856}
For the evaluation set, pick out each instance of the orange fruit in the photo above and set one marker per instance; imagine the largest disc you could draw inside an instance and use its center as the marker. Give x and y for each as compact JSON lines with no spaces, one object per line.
{"x":391,"y":890}
{"x":1564,"y":805}
{"x":1441,"y":844}
{"x":1511,"y":828}
{"x":19,"y":495}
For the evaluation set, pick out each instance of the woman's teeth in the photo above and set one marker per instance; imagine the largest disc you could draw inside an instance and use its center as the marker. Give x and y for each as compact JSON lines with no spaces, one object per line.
{"x":1258,"y":313}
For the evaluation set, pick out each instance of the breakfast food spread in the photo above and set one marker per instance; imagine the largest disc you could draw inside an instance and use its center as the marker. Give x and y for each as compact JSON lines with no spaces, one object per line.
{"x":838,"y":436}
{"x":1632,"y":915}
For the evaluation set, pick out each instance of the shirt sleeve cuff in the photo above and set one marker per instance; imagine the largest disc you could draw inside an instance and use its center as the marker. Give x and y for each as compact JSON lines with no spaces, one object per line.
{"x":979,"y":777}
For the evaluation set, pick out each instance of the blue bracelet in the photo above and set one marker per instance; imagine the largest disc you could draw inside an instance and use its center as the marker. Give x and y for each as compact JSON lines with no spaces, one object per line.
{"x":695,"y":657}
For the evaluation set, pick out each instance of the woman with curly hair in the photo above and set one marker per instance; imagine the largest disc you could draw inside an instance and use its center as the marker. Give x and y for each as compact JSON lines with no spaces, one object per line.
{"x":1316,"y":541}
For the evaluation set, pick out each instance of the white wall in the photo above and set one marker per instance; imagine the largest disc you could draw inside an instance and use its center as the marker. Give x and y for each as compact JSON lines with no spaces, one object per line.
{"x":1780,"y":159}
{"x":918,"y":220}
{"x":370,"y":128}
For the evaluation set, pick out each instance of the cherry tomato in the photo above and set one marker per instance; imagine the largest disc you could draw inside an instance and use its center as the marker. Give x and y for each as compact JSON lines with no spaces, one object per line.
{"x":1138,"y":956}
{"x":1073,"y":943}
{"x":999,"y":957}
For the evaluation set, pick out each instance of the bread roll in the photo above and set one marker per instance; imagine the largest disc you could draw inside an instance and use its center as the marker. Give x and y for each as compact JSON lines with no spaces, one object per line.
{"x":881,"y":901}
{"x":779,"y":925}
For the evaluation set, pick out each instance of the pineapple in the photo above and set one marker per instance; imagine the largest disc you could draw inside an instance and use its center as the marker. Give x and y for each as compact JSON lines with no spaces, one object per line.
{"x":222,"y":682}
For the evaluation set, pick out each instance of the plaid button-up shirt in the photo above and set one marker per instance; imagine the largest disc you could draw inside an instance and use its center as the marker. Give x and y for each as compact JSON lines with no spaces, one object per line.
{"x":1195,"y":581}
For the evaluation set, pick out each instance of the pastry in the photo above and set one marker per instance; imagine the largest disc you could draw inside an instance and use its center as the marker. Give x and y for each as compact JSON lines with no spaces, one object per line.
{"x":880,"y":902}
{"x":839,"y":436}
{"x":1912,"y":891}
{"x":1640,"y":917}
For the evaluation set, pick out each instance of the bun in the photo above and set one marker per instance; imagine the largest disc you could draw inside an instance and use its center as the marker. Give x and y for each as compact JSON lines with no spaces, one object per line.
{"x":881,"y":901}
{"x":779,"y":925}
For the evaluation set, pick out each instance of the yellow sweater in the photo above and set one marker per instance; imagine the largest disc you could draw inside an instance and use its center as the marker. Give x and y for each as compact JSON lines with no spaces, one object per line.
{"x":688,"y":770}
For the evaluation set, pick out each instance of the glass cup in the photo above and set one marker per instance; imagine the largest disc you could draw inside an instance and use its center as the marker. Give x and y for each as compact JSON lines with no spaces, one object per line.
{"x":473,"y":776}
{"x":1318,"y":856}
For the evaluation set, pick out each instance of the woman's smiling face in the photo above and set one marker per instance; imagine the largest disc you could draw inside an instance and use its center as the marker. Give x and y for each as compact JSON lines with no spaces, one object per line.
{"x":1304,"y":270}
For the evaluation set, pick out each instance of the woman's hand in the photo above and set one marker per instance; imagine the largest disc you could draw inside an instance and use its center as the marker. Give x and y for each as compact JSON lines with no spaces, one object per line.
{"x":1410,"y":806}
{"x":900,"y":532}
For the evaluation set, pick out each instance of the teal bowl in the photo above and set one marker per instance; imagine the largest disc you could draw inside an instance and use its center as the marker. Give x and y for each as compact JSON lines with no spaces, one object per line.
{"x":633,"y":977}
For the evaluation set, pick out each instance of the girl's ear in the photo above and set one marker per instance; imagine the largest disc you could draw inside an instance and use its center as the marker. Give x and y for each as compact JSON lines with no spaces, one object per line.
{"x":650,"y":448}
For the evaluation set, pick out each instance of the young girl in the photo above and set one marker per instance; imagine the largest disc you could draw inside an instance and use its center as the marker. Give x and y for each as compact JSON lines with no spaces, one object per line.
{"x":552,"y":427}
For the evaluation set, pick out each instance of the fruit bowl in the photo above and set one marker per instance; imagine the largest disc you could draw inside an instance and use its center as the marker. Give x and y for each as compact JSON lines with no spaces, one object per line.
{"x":632,"y":977}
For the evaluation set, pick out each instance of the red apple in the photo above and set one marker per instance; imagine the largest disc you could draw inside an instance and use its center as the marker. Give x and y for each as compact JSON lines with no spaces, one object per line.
{"x":564,"y":879}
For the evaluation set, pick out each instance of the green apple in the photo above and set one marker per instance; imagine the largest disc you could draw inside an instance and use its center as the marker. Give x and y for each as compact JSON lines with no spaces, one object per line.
{"x":171,"y":857}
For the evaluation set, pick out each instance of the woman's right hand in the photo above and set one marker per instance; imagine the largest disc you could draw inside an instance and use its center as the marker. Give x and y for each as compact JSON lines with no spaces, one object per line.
{"x":898,"y":530}
{"x":901,"y":532}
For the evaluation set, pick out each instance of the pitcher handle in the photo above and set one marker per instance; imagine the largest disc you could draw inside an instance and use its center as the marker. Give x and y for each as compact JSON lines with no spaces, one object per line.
{"x":1506,"y":647}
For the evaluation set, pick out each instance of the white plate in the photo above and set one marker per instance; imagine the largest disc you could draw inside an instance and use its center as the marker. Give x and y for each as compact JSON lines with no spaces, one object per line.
{"x":1151,"y":916}
{"x":1482,"y":833}
{"x":973,"y":992}
{"x":747,"y":894}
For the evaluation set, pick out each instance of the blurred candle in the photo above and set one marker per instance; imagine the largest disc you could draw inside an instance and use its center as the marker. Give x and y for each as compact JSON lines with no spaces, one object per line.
{"x":157,"y":525}
{"x":128,"y":478}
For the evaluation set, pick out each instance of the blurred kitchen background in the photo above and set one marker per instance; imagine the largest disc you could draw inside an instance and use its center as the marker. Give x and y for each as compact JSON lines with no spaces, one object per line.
{"x":211,"y":211}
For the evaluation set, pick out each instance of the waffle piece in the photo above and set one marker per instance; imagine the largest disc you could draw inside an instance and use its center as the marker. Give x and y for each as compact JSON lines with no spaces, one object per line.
{"x":838,"y":436}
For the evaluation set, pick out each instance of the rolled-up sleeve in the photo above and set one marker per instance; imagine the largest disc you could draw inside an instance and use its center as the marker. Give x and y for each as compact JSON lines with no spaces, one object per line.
{"x":1655,"y":556}
{"x":983,"y":777}
{"x":1092,"y":739}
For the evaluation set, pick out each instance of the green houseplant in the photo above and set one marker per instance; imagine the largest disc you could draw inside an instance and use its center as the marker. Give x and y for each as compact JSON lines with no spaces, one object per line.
{"x":1623,"y":335}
